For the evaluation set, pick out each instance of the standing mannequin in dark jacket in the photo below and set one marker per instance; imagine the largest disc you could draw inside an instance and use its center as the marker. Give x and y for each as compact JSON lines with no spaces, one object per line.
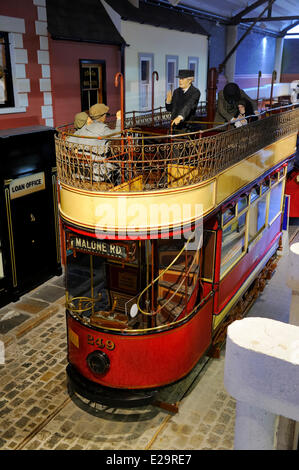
{"x":184,"y":100}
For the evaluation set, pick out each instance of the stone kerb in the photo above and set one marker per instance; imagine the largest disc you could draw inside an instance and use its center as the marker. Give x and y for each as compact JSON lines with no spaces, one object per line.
{"x":262,"y":365}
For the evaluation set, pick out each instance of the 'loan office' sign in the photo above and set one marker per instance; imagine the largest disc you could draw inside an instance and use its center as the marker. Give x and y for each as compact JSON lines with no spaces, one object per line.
{"x":100,"y":247}
{"x":27,"y":185}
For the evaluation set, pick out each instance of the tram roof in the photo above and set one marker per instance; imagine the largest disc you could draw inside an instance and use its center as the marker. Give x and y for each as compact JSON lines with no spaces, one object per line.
{"x":81,"y":20}
{"x":157,"y":15}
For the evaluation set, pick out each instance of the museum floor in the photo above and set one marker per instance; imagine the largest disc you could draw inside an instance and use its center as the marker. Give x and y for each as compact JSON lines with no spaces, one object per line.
{"x":37,"y":413}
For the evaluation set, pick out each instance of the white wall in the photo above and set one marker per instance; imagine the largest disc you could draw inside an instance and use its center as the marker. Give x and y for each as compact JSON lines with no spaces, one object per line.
{"x":160,"y":42}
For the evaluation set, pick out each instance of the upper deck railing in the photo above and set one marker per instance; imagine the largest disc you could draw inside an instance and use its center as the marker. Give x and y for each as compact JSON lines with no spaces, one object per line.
{"x":139,"y":161}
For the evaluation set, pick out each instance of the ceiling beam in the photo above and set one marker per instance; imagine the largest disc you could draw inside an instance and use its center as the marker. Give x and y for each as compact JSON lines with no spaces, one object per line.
{"x":221,"y":66}
{"x":269,"y":11}
{"x":237,"y":18}
{"x":285,"y":30}
{"x":273,"y":18}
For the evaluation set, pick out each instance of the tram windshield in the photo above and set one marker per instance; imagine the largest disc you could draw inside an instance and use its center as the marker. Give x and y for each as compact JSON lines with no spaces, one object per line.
{"x":131,"y":284}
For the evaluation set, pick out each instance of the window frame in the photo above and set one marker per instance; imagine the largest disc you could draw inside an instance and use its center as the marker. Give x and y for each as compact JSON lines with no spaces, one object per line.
{"x":150,"y":57}
{"x":175,"y":59}
{"x":193,"y":59}
{"x":10,"y":102}
{"x":281,"y":180}
{"x":81,"y":68}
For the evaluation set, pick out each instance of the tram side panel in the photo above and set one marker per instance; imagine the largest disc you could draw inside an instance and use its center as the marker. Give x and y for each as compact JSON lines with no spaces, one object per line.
{"x":140,"y":361}
{"x":234,"y":280}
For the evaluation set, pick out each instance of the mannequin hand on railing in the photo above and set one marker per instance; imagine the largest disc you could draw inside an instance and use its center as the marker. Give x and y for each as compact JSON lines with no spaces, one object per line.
{"x":177,"y":120}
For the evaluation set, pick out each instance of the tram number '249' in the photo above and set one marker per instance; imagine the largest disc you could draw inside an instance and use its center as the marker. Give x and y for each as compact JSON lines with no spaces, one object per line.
{"x":100,"y":343}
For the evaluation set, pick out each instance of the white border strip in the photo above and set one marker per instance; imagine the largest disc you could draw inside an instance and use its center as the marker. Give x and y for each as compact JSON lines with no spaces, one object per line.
{"x":43,"y":59}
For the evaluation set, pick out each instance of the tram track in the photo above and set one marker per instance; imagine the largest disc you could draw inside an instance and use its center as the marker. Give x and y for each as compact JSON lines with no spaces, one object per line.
{"x":43,"y":424}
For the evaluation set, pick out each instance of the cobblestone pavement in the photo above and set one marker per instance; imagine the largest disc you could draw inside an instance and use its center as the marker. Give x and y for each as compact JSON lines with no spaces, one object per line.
{"x":36,"y":411}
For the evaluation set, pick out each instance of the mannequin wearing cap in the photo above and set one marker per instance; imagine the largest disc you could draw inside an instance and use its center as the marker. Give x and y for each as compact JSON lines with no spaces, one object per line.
{"x":80,"y":122}
{"x":227,"y":103}
{"x":98,"y":127}
{"x":99,"y":147}
{"x":184,"y":100}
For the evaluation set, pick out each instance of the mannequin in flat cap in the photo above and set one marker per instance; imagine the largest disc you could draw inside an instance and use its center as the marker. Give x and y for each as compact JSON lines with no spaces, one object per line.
{"x":227,"y":103}
{"x":183,"y":102}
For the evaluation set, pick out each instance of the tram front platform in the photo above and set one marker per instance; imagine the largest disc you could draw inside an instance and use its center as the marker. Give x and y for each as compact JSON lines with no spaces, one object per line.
{"x":38,"y":413}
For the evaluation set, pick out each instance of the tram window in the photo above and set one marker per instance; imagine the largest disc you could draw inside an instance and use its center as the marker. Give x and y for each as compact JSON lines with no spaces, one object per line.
{"x":281,"y":173}
{"x":228,"y":214}
{"x":169,"y":249}
{"x":265,"y":185}
{"x":242,"y":203}
{"x":86,"y":277}
{"x":233,"y":243}
{"x":255,"y":193}
{"x":274,"y":178}
{"x":275,"y":202}
{"x":257,"y":218}
{"x":209,"y":241}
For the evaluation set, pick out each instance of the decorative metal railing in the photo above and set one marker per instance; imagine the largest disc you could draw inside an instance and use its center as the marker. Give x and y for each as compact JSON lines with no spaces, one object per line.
{"x":159,"y":116}
{"x":136,"y":161}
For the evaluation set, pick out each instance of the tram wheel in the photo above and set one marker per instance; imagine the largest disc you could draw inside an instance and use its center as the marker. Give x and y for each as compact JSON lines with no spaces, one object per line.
{"x":107,"y":396}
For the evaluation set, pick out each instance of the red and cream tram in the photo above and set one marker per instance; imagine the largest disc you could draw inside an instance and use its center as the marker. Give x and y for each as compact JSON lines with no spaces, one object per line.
{"x":168,"y":238}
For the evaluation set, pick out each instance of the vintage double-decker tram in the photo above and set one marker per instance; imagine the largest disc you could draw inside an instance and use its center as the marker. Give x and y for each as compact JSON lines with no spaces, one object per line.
{"x":168,"y":238}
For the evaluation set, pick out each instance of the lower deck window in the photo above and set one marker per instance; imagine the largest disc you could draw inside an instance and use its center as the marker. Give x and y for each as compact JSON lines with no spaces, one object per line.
{"x":257,"y":218}
{"x":275,"y":202}
{"x":107,"y":279}
{"x":233,"y":243}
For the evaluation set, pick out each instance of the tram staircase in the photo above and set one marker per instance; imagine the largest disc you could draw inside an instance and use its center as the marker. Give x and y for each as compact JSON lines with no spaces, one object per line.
{"x":176,"y":286}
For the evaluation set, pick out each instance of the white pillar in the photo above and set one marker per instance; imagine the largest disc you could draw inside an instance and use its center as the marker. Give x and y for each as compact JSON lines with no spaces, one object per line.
{"x":231,"y":40}
{"x":278,"y":57}
{"x":254,"y":429}
{"x":262,"y":373}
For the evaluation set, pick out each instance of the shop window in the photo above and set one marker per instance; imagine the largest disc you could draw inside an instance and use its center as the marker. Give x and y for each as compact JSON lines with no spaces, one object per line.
{"x":93,"y":83}
{"x":275,"y":202}
{"x":171,"y":72}
{"x":145,"y":74}
{"x":233,"y":243}
{"x":6,"y":87}
{"x":257,"y":219}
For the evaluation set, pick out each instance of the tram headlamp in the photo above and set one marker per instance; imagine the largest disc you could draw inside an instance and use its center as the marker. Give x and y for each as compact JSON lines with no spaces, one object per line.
{"x":98,"y":362}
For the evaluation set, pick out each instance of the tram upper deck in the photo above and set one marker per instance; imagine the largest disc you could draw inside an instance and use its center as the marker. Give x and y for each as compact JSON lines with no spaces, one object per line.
{"x":148,"y":160}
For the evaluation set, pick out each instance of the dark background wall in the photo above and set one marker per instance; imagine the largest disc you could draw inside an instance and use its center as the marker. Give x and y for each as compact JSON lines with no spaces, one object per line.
{"x":290,"y":60}
{"x":253,"y":54}
{"x":256,"y":52}
{"x":217,"y":42}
